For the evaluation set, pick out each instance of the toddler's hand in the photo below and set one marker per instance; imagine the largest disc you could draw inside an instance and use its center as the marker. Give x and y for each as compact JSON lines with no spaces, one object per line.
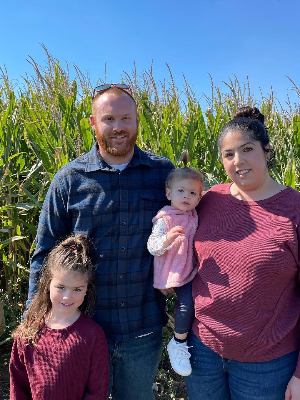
{"x":173,"y":234}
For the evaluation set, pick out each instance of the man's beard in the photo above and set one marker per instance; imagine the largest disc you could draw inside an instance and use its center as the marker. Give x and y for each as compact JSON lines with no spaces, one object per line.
{"x":106,"y":145}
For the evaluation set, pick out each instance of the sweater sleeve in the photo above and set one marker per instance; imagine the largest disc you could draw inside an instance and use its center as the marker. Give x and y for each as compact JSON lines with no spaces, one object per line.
{"x":157,"y":238}
{"x":19,"y":382}
{"x":98,"y":381}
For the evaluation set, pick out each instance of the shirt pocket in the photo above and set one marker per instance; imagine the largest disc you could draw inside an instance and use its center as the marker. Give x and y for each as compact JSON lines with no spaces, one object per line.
{"x":151,"y":202}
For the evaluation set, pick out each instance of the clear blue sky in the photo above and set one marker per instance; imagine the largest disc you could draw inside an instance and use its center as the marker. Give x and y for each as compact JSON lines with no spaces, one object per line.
{"x":258,"y":38}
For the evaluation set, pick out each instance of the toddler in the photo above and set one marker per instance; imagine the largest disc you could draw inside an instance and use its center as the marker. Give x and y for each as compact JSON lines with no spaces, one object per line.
{"x":171,"y":243}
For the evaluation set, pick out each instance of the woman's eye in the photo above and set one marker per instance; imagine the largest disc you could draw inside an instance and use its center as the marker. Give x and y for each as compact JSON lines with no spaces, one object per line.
{"x":77,"y":290}
{"x":248,"y":149}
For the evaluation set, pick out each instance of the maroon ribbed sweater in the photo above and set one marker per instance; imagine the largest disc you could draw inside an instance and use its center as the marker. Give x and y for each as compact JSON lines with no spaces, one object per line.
{"x":247,"y":294}
{"x":67,"y":364}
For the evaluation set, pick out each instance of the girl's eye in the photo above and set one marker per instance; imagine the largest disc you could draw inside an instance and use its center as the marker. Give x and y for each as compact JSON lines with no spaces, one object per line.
{"x":60,"y":287}
{"x":180,"y":190}
{"x":77,"y":290}
{"x":193,"y":193}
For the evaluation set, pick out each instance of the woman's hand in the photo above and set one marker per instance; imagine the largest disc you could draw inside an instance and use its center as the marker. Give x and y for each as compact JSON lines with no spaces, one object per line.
{"x":173,"y":234}
{"x":293,"y":389}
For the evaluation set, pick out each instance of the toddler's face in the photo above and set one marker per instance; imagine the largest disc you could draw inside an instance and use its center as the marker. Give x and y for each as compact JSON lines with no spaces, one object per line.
{"x":185,"y":194}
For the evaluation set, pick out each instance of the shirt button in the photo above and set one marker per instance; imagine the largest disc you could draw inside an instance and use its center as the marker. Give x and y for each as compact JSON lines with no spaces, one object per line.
{"x":122,"y":304}
{"x":123,"y":223}
{"x":123,"y":248}
{"x":121,"y":276}
{"x":123,"y":197}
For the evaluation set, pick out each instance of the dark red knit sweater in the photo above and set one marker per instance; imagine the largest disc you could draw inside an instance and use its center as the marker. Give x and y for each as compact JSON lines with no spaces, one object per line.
{"x":67,"y":364}
{"x":247,"y":294}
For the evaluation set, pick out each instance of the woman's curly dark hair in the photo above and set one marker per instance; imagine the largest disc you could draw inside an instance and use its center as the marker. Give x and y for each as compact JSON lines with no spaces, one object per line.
{"x":250,"y":121}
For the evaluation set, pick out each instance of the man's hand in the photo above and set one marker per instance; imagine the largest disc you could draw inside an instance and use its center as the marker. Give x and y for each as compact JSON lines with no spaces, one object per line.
{"x":293,"y":389}
{"x":173,"y":234}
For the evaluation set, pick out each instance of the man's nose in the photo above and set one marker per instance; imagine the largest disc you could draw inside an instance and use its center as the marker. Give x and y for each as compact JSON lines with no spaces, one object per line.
{"x":117,"y":127}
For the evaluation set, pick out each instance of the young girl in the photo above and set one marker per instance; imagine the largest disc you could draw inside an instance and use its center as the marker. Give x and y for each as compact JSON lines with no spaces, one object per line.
{"x":171,"y":242}
{"x":59,"y":352}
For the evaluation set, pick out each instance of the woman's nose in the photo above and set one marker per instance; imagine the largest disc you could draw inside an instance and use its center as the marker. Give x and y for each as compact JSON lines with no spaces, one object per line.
{"x":238,"y":159}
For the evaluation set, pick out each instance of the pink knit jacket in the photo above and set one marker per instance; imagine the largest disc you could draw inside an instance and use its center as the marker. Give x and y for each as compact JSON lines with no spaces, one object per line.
{"x":175,"y":267}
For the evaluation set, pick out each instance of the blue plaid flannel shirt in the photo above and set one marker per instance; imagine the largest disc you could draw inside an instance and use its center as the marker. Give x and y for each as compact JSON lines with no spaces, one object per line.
{"x":115,"y":209}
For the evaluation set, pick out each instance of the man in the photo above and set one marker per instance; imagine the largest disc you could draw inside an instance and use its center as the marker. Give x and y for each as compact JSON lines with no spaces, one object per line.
{"x":111,"y":194}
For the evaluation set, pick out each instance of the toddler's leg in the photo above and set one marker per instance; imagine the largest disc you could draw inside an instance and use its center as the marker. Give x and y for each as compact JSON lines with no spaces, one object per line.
{"x":185,"y":314}
{"x":177,"y":348}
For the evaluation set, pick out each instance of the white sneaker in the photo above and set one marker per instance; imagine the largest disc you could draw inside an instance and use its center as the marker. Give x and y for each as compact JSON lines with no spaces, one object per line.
{"x":179,"y":357}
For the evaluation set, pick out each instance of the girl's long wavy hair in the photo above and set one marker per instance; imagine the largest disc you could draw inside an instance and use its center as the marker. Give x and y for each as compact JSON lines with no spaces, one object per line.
{"x":70,"y":255}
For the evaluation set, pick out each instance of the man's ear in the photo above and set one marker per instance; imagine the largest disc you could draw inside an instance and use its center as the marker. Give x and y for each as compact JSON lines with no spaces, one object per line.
{"x":92,"y":121}
{"x":168,"y":193}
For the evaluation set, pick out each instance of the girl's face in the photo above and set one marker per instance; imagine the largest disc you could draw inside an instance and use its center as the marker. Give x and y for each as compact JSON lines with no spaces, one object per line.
{"x":67,"y":291}
{"x":185,"y":194}
{"x":245,"y":161}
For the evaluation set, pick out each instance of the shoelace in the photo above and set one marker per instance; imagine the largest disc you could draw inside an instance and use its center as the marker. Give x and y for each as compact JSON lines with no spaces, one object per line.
{"x":183,"y":352}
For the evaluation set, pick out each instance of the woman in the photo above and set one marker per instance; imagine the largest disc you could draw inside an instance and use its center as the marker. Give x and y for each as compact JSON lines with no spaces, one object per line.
{"x":247,"y":297}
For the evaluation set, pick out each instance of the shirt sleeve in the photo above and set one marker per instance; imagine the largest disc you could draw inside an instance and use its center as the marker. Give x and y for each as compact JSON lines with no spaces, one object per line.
{"x":98,"y":381}
{"x":54,"y":223}
{"x":19,"y":382}
{"x":157,"y":238}
{"x":297,"y":372}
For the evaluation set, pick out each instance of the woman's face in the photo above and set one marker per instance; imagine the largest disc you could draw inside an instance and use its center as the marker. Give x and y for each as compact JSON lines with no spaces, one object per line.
{"x":244,"y":160}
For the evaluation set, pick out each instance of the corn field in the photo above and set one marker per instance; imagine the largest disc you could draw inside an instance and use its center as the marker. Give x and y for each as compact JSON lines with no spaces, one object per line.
{"x":45,"y":124}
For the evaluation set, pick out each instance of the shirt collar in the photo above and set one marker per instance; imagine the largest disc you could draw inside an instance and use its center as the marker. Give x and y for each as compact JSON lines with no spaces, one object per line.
{"x":96,"y":162}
